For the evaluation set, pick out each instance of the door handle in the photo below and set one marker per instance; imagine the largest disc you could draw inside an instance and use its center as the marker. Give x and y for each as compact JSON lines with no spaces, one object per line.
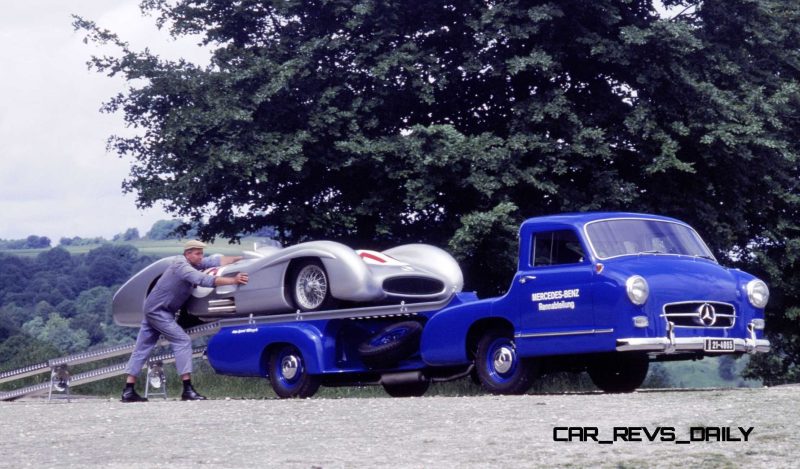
{"x":525,"y":278}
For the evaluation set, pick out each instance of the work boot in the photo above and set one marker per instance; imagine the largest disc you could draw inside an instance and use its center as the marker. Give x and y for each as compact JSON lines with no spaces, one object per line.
{"x":129,"y":395}
{"x":189,"y":394}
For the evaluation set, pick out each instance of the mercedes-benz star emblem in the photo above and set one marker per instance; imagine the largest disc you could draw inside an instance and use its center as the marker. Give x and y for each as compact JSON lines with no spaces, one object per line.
{"x":707,"y":314}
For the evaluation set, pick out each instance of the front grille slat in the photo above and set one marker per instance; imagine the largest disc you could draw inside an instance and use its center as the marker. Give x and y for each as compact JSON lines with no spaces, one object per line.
{"x":702,"y":314}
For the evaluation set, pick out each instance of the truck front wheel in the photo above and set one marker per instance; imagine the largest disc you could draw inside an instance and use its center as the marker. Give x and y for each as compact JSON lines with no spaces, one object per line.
{"x":619,"y":372}
{"x":288,"y":374}
{"x":500,"y":370}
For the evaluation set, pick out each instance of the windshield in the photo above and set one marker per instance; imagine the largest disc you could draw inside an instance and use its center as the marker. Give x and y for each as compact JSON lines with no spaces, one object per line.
{"x":612,"y":238}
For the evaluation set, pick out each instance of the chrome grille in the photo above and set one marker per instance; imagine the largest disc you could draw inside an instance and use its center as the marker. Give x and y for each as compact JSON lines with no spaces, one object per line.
{"x":700,"y":314}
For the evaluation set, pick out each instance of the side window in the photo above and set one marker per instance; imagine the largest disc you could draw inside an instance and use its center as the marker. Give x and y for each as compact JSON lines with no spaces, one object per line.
{"x":556,"y":247}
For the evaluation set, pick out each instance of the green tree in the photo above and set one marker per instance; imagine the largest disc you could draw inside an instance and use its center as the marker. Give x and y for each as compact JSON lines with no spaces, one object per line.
{"x":57,"y":332}
{"x":131,"y":234}
{"x":377,"y":123}
{"x":111,"y":264}
{"x":21,"y":350}
{"x":164,"y":229}
{"x":93,"y":312}
{"x":781,"y":263}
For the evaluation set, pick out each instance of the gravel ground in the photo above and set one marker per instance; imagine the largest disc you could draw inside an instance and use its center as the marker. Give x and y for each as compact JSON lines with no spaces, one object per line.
{"x":485,"y":431}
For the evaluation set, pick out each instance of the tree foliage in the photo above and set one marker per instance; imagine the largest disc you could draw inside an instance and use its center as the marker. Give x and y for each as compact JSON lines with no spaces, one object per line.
{"x":63,"y":301}
{"x":378,"y":123}
{"x":31,"y":242}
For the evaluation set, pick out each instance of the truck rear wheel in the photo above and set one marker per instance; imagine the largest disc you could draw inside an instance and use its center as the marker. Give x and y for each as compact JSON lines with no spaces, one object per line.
{"x":619,"y":372}
{"x":500,"y":370}
{"x":288,"y":374}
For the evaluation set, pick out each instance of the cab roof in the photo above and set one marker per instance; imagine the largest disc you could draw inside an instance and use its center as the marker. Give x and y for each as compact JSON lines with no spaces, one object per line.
{"x":578,"y":219}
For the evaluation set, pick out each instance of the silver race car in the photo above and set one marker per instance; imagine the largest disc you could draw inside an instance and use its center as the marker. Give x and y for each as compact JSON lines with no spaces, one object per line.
{"x":309,"y":276}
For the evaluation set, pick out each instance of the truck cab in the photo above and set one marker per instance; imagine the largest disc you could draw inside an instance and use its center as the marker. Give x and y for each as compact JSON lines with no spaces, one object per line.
{"x":608,"y":293}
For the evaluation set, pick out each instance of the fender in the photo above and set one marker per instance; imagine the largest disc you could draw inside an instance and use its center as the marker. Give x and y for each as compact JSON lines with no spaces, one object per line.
{"x":239,"y":350}
{"x":444,"y":338}
{"x":349,"y":277}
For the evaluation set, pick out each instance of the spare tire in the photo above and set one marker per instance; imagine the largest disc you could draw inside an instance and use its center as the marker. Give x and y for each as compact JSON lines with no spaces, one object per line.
{"x":391,"y":344}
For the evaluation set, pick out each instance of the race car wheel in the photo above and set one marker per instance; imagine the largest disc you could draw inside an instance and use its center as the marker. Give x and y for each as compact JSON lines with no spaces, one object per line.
{"x":619,"y":372}
{"x":288,"y":374}
{"x":407,"y":389}
{"x":500,"y":370}
{"x":310,"y":286}
{"x":391,"y":344}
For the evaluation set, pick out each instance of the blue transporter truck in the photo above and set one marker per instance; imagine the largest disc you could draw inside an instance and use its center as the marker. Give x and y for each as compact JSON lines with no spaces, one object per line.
{"x":605,"y":293}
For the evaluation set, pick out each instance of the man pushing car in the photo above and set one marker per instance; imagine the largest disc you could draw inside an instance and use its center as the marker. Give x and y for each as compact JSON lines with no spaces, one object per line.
{"x":171,"y":291}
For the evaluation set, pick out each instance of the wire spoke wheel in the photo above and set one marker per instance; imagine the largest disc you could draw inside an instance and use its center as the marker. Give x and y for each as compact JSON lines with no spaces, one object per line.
{"x":311,"y":287}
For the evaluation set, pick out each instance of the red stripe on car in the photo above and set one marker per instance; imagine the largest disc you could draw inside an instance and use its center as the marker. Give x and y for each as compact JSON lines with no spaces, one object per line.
{"x":366,"y":255}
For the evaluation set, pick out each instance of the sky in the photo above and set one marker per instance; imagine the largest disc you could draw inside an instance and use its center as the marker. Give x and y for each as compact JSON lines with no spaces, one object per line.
{"x":56,"y":177}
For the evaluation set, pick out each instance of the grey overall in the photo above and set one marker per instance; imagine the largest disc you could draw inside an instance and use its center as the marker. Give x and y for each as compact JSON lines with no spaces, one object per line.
{"x":169,"y":294}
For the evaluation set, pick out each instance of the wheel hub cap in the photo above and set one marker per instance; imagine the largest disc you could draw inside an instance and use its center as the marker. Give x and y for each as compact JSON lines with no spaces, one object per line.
{"x":503,"y":359}
{"x":289,"y":367}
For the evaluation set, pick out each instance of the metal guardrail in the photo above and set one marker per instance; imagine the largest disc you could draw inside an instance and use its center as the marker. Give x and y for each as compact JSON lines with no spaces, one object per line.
{"x":89,"y":376}
{"x":61,"y":363}
{"x":24,"y":372}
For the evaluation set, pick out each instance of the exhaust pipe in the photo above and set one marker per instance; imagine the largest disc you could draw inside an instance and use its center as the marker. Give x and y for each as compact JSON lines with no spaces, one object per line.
{"x":402,"y":378}
{"x":224,"y":305}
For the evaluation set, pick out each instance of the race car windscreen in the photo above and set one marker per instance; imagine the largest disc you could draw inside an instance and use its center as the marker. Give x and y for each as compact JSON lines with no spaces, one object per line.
{"x":623,"y":237}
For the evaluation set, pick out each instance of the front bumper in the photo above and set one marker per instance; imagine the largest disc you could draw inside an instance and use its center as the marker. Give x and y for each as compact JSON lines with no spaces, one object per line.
{"x":672,"y":344}
{"x":688,"y":344}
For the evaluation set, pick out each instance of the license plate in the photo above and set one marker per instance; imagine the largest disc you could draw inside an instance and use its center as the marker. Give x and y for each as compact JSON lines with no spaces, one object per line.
{"x":719,"y":345}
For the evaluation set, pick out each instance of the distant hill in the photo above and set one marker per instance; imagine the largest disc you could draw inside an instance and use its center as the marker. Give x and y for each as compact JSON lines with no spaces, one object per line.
{"x":156,"y":248}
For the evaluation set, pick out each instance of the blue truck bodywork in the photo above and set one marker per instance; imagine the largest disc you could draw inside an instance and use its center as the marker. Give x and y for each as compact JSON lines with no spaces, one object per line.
{"x":607,"y":291}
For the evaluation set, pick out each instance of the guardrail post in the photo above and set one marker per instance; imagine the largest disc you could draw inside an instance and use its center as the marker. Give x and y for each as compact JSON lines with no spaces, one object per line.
{"x":157,"y":379}
{"x":59,"y":381}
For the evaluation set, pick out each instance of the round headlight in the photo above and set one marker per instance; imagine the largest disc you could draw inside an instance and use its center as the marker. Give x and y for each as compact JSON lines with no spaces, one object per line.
{"x":638,"y":290}
{"x":757,"y":293}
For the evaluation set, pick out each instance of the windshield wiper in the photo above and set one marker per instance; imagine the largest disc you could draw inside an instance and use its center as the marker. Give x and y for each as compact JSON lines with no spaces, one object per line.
{"x":703,"y":256}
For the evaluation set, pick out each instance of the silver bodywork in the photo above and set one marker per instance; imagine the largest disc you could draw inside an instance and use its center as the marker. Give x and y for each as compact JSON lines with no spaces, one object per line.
{"x":354,"y":276}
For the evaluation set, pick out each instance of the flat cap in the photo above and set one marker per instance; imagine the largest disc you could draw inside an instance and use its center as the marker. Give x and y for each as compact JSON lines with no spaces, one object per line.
{"x":193,"y":244}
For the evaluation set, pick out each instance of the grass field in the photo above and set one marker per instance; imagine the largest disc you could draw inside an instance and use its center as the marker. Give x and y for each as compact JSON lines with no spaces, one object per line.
{"x":157,"y":248}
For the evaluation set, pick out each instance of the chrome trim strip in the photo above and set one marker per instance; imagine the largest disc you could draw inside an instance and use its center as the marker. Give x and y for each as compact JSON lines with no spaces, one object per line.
{"x":566,"y":333}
